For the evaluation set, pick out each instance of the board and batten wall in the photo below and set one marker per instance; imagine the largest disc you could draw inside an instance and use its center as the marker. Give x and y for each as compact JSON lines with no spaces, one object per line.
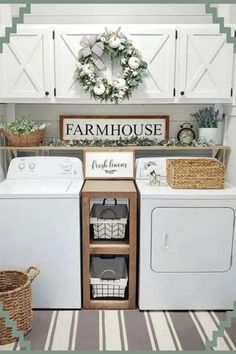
{"x":49,"y":113}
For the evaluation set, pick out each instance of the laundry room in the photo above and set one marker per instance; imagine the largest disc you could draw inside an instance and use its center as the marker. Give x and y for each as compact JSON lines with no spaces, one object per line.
{"x":117,"y":176}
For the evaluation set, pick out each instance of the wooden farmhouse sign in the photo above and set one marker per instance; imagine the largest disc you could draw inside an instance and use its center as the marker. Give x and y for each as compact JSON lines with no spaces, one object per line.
{"x":108,"y":164}
{"x":113,"y":127}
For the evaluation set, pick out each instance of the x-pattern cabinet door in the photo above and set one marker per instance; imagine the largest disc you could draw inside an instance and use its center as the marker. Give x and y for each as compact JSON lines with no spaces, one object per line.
{"x":205,"y":64}
{"x":26,"y":70}
{"x":156,"y":43}
{"x":67,"y":46}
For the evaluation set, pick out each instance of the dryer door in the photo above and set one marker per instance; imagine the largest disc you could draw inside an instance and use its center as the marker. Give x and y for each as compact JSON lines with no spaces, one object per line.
{"x":192,"y":239}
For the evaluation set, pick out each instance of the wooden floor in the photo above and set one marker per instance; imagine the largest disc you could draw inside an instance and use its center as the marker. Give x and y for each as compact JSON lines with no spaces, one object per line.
{"x":126,"y":330}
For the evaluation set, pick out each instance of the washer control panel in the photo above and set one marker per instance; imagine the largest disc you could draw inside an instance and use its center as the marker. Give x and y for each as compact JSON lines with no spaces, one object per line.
{"x":45,"y":167}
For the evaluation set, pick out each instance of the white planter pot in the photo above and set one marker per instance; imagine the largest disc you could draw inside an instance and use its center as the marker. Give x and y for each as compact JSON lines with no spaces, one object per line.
{"x":210,"y":134}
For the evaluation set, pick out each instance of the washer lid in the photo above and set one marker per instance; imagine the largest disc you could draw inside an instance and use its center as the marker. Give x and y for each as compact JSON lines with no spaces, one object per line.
{"x":40,"y":188}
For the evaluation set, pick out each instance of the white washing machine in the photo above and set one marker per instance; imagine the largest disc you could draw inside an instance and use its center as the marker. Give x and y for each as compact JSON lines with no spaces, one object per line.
{"x":40,"y":226}
{"x":187,"y":245}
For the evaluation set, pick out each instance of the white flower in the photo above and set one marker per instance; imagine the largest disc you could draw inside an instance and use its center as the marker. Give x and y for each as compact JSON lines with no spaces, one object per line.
{"x":129,"y":51}
{"x":134,"y":62}
{"x":119,"y":83}
{"x":123,"y":61}
{"x":42,"y":126}
{"x":114,"y":42}
{"x":79,"y":65}
{"x":121,"y":47}
{"x":88,"y":69}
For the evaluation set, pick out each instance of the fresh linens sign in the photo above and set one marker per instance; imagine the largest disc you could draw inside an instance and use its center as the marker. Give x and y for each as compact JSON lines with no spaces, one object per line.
{"x":109,"y":164}
{"x":113,"y":127}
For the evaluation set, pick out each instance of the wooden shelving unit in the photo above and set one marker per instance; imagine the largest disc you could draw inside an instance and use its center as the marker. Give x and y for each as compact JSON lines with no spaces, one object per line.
{"x":218,"y":151}
{"x":117,"y":148}
{"x":109,"y":189}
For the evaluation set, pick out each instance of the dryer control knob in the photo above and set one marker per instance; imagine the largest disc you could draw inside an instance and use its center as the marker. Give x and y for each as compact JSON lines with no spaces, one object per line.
{"x":21,"y":165}
{"x":32,"y":165}
{"x":67,"y":167}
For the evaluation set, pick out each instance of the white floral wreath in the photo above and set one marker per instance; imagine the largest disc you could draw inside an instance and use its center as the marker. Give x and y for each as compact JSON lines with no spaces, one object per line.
{"x":90,"y":64}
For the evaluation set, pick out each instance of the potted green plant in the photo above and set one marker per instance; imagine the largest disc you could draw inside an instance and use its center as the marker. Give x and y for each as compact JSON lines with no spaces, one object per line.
{"x":23,"y":131}
{"x":208,"y":120}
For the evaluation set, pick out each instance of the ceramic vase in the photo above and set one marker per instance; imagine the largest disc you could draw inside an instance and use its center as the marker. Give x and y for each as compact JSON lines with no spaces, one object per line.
{"x":210,"y":134}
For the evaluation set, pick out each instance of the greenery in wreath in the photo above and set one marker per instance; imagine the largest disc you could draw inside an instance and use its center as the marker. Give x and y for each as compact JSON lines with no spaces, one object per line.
{"x":90,"y":66}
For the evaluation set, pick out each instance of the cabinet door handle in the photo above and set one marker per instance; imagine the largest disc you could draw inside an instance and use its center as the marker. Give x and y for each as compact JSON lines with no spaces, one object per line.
{"x":182,"y":93}
{"x":166,"y":240}
{"x":46,"y":93}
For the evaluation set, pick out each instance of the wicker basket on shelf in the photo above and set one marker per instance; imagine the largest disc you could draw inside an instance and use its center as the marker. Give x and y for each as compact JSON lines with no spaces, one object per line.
{"x":202,"y":173}
{"x":29,"y":139}
{"x":15,"y":294}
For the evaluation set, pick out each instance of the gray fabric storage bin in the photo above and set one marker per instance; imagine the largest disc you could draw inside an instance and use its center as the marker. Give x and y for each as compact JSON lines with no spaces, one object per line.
{"x":109,"y":276}
{"x":109,"y":220}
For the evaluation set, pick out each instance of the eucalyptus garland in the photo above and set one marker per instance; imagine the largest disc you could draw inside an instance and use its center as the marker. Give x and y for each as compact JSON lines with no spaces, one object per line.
{"x":90,"y":67}
{"x":133,"y":141}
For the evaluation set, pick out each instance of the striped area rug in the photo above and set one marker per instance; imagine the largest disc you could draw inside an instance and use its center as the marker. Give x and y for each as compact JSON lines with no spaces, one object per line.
{"x":126,"y":330}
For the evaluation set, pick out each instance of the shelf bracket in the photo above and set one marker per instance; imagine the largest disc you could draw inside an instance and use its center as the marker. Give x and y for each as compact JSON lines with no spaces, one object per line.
{"x":219,"y":154}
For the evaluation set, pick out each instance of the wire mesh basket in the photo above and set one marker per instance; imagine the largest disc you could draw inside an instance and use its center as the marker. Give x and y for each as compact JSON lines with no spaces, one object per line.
{"x":109,"y":221}
{"x":109,"y":276}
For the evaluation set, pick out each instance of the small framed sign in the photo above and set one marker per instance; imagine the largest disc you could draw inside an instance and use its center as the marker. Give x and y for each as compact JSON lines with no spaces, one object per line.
{"x":108,"y":164}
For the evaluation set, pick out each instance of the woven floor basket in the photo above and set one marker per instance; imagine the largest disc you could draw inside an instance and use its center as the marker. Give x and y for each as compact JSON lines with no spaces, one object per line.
{"x":31,"y":139}
{"x":15,"y":293}
{"x":202,"y":173}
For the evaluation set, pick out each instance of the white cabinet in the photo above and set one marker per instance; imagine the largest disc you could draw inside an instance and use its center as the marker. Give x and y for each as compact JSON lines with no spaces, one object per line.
{"x":67,"y":45}
{"x":205,"y":65}
{"x":158,"y":47}
{"x":156,"y":43}
{"x":180,"y":243}
{"x":195,"y":66}
{"x":26,"y":69}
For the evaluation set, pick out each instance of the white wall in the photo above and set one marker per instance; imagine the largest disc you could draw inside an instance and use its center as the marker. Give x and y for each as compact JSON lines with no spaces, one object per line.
{"x":233,"y":13}
{"x":230,"y":139}
{"x":50,"y":113}
{"x":231,"y":131}
{"x":2,"y":115}
{"x":230,"y":136}
{"x":117,"y":13}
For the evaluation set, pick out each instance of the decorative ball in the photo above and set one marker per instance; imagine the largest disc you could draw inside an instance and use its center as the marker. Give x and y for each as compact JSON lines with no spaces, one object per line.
{"x":119,"y":83}
{"x":114,"y":42}
{"x":99,"y":89}
{"x":134,"y":62}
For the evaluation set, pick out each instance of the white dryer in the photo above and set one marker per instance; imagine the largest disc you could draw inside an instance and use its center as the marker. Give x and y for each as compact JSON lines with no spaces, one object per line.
{"x":187,"y":246}
{"x":40,"y":226}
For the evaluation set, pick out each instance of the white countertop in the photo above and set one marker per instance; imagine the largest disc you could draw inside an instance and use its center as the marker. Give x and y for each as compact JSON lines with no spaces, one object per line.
{"x":166,"y":192}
